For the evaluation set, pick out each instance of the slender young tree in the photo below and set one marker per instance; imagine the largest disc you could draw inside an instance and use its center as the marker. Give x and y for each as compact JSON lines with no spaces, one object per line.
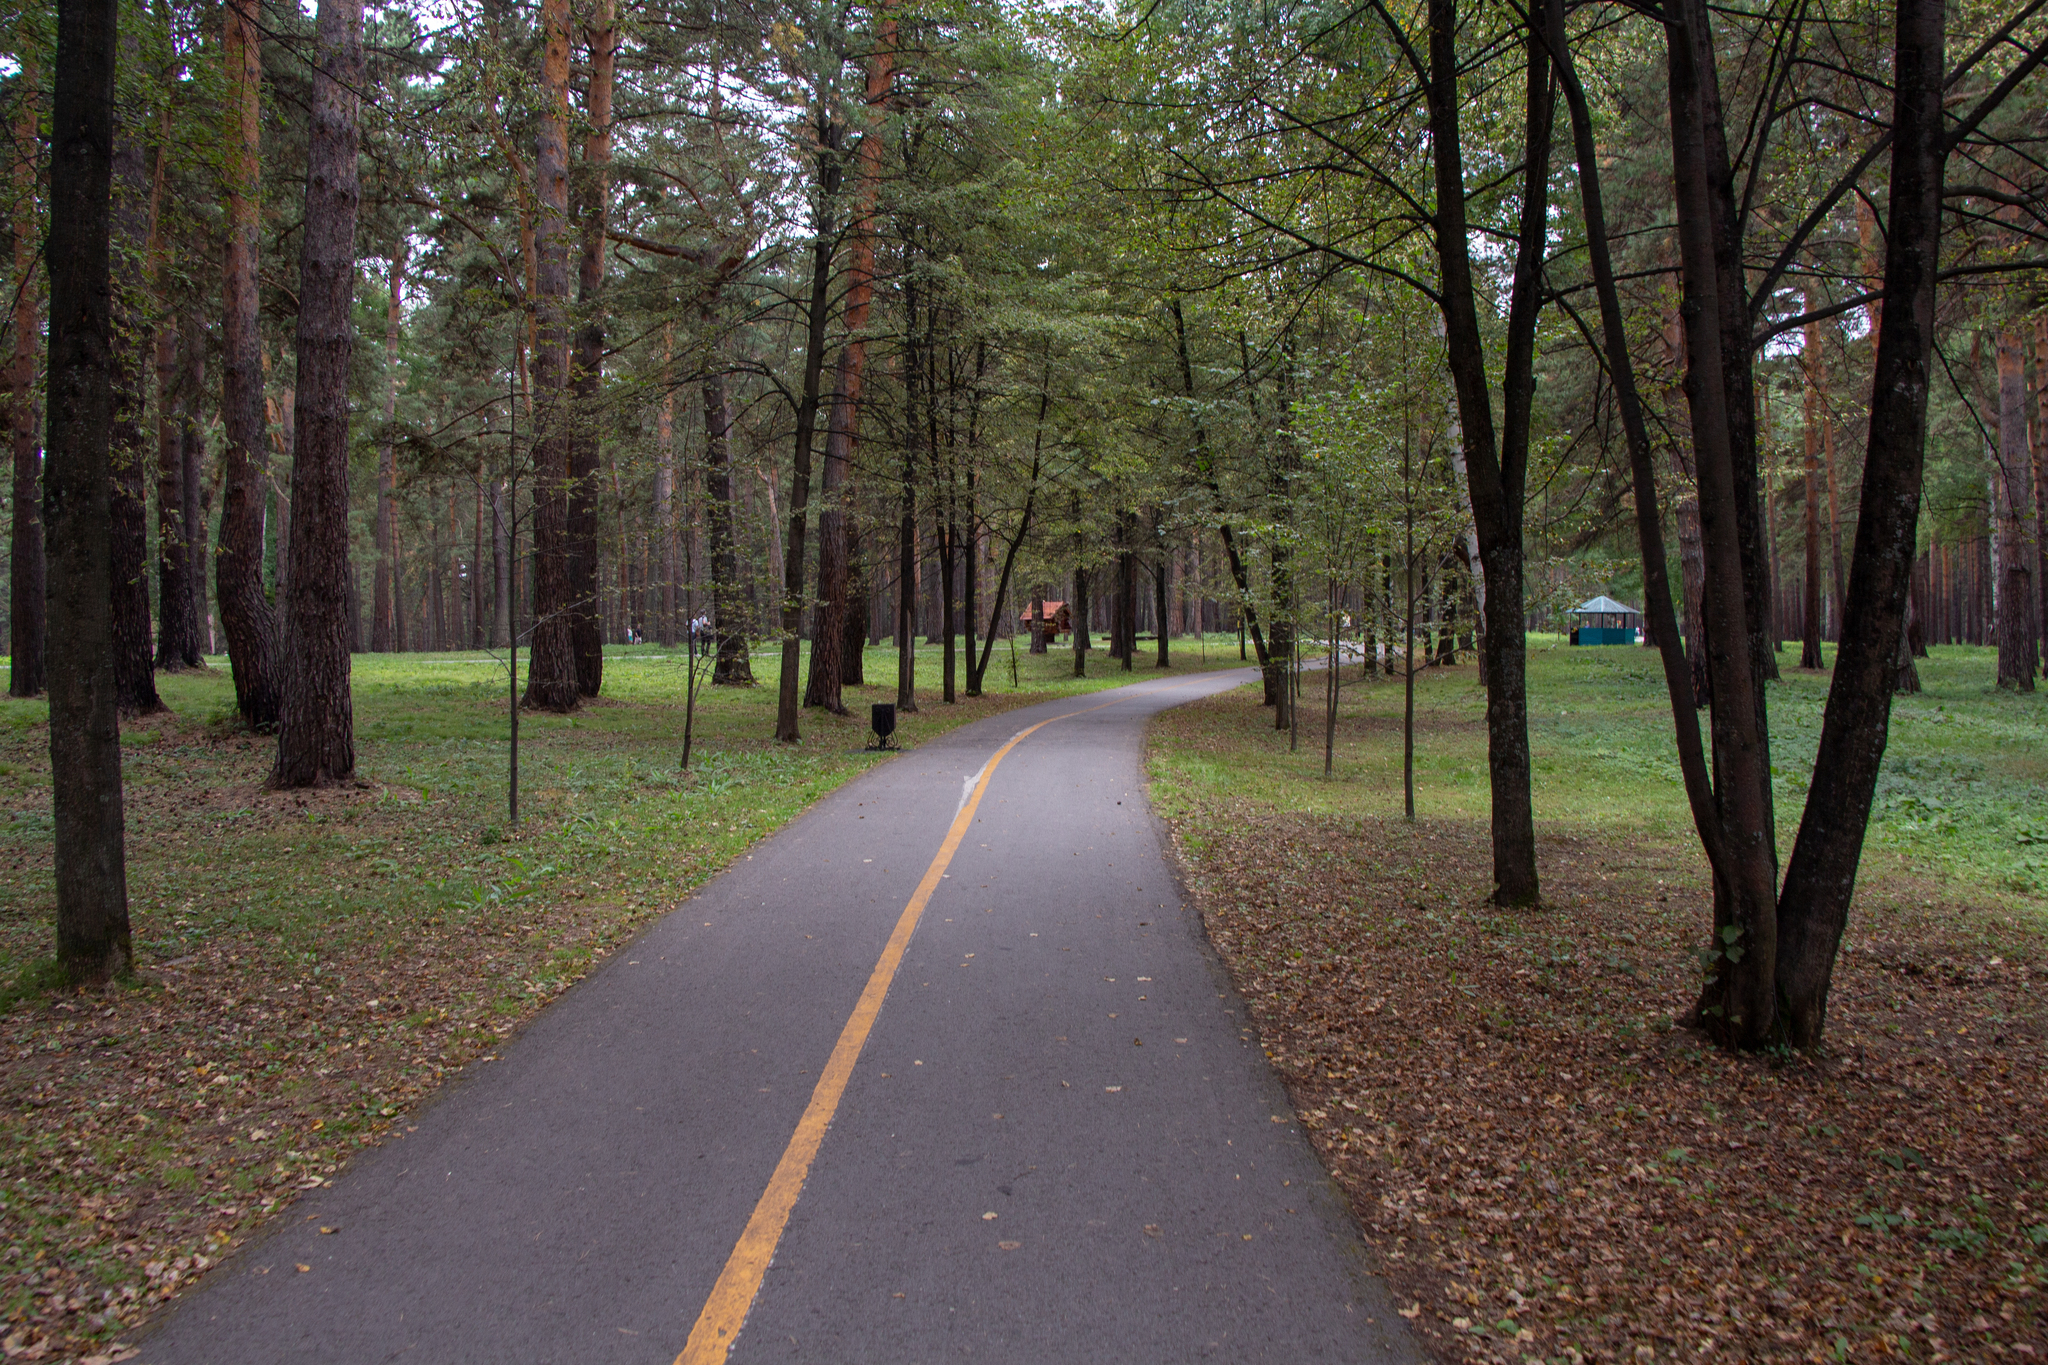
{"x":245,"y":611}
{"x":85,"y":733}
{"x":1498,"y":467}
{"x":316,"y":730}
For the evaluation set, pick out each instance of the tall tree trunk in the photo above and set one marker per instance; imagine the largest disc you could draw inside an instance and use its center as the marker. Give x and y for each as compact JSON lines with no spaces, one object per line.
{"x":1498,"y":472}
{"x":1821,"y":875}
{"x":2041,"y":475}
{"x":27,"y":674}
{"x":476,"y":562}
{"x":316,"y":731}
{"x":1160,"y":594}
{"x":853,"y":624}
{"x":551,"y":672}
{"x":198,"y":493}
{"x":245,"y":612}
{"x":906,"y":524}
{"x":1810,"y":367}
{"x":1739,"y":1004}
{"x":384,"y":633}
{"x":133,"y":209}
{"x":733,"y":669}
{"x":1205,"y":466}
{"x":995,"y":614}
{"x":664,"y":494}
{"x":2017,"y":660}
{"x":824,"y":677}
{"x":593,"y":194}
{"x":1080,"y":620}
{"x":85,"y":732}
{"x":504,"y":614}
{"x":177,"y":635}
{"x":818,"y":312}
{"x":842,"y":425}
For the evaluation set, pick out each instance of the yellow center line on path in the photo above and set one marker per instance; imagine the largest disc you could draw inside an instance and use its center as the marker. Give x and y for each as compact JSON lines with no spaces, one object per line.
{"x":718,"y":1326}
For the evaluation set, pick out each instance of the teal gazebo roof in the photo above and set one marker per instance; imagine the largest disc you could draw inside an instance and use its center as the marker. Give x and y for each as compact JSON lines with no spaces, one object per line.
{"x":1603,"y":604}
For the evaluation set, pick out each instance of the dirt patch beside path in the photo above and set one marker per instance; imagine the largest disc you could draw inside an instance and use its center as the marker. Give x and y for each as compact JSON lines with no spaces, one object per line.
{"x":1551,"y":1171}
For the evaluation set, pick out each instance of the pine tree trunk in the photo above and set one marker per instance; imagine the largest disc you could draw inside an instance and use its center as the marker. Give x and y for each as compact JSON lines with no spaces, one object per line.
{"x":2041,"y":477}
{"x":817,"y":314}
{"x":316,"y":730}
{"x":177,"y":634}
{"x":593,"y":195}
{"x":384,"y":633}
{"x":2014,"y":496}
{"x":134,"y":674}
{"x":1810,"y":367}
{"x":551,"y":672}
{"x":25,"y":567}
{"x":85,"y":734}
{"x":664,"y":558}
{"x":728,"y":619}
{"x":245,"y":612}
{"x":824,"y":676}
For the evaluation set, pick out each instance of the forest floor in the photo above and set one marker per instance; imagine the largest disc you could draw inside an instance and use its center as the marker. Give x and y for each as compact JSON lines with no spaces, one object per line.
{"x":1551,"y":1169}
{"x":312,"y":964}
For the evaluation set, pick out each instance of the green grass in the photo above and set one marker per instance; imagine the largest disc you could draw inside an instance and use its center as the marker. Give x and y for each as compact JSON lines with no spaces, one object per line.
{"x":1960,"y":790}
{"x":606,"y":811}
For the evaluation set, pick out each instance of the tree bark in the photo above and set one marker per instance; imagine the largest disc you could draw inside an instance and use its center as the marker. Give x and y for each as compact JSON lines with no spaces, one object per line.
{"x":664,"y":495}
{"x":177,"y":635}
{"x":824,"y":679}
{"x":85,"y":734}
{"x":1738,"y":1005}
{"x":1205,"y":466}
{"x":817,"y":312}
{"x":26,"y":569}
{"x":551,"y":670}
{"x":2017,"y":660}
{"x":2040,"y":476}
{"x":133,"y":205}
{"x":1821,"y":876}
{"x":906,"y":524}
{"x":733,"y":669}
{"x":316,"y":730}
{"x":829,"y":648}
{"x":593,"y":193}
{"x":1498,"y":472}
{"x":1810,"y":367}
{"x":384,"y":636}
{"x":245,"y":612}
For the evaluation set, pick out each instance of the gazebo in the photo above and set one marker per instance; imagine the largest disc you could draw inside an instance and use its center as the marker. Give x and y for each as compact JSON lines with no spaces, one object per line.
{"x":1604,"y":621}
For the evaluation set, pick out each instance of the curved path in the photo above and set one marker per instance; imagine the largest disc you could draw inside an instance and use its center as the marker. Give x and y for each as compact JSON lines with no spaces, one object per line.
{"x":943,"y":1071}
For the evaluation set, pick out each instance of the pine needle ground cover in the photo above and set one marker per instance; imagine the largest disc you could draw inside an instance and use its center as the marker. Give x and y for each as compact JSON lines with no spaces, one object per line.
{"x":312,"y":964}
{"x":1548,"y":1168}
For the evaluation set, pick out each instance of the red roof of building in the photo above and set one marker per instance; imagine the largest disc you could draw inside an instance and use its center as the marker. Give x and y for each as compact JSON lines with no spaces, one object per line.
{"x":1052,"y":610}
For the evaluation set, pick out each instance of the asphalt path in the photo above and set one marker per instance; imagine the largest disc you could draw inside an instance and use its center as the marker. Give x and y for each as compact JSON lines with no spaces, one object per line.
{"x":1059,"y":1142}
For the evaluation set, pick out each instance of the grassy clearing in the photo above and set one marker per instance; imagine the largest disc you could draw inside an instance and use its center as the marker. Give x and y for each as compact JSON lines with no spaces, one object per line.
{"x":312,"y":963}
{"x":1549,"y":1169}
